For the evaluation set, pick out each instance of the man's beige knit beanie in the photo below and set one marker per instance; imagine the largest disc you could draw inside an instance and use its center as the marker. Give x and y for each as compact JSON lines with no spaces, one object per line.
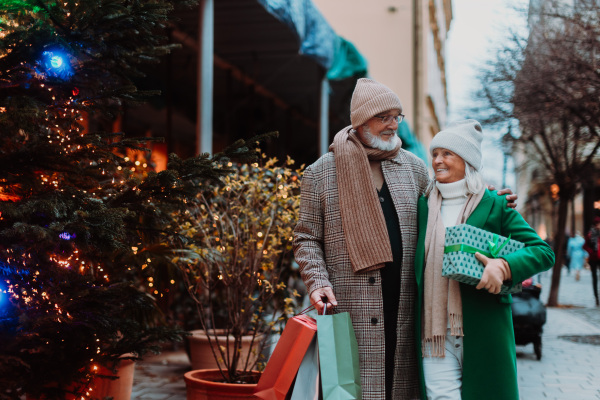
{"x":369,"y":99}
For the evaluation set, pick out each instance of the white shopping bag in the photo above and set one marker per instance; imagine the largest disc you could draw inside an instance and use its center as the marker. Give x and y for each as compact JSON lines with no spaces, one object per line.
{"x":307,"y":384}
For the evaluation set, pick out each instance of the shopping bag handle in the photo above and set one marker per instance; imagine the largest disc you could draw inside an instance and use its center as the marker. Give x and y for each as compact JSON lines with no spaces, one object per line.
{"x":307,"y":309}
{"x":311,"y":307}
{"x":325,"y":300}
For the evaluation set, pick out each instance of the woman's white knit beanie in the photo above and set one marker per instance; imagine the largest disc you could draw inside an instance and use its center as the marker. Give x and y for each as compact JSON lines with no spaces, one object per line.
{"x":369,"y":99}
{"x":463,"y":138}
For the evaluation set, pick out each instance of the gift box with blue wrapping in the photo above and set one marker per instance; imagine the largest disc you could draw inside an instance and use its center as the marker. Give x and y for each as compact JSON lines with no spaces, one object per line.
{"x":462,"y":242}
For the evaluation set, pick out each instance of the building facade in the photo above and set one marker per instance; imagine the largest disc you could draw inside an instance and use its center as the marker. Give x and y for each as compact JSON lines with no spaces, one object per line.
{"x":245,"y":67}
{"x":404,"y":42}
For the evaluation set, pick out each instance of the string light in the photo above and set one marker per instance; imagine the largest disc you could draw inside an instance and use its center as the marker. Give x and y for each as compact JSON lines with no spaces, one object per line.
{"x":66,"y":135}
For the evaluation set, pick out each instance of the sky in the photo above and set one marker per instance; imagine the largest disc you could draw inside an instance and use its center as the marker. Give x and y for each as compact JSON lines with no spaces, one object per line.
{"x":477,"y":27}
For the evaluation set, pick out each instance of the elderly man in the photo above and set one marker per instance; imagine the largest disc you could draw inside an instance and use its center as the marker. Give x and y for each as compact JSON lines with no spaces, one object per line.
{"x":356,"y":238}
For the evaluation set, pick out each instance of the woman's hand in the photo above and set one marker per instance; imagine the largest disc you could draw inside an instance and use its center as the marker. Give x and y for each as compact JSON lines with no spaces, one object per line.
{"x":319,"y":296}
{"x":495,"y":272}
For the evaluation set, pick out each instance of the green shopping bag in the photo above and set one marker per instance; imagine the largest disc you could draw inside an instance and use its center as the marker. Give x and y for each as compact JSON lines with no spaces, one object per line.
{"x":338,"y":357}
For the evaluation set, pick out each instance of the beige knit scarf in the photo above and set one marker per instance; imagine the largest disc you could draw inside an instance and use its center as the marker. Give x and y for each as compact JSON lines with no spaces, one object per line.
{"x":364,"y":226}
{"x":442,"y":295}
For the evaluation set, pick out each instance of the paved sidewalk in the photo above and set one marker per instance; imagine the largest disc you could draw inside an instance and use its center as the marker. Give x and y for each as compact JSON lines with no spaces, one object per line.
{"x":161,"y":377}
{"x":567,"y":371}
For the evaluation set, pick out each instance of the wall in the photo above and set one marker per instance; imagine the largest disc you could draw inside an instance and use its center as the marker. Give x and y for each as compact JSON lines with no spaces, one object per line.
{"x":399,"y":40}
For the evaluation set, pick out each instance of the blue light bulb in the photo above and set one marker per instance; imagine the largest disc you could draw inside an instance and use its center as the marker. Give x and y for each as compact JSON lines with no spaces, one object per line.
{"x":56,"y":61}
{"x":66,"y":236}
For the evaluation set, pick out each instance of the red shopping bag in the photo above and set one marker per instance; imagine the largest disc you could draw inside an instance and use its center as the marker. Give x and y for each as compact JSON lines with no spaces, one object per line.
{"x":276,"y":381}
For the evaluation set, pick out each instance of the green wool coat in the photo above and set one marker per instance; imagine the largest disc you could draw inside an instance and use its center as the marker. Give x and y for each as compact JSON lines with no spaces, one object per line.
{"x":489,"y":356}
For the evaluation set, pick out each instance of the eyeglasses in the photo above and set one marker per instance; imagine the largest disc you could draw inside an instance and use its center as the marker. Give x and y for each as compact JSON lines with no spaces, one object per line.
{"x":386,"y":119}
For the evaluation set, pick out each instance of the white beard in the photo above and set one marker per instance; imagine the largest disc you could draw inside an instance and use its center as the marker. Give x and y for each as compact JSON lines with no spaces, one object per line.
{"x":377,"y":142}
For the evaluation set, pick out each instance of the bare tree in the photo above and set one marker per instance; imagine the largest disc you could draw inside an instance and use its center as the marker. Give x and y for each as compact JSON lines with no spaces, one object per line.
{"x":550,"y":83}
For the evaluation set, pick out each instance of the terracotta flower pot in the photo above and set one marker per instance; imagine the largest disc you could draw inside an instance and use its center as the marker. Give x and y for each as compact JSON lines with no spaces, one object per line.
{"x":117,"y":389}
{"x":203,"y":385}
{"x":201,"y":355}
{"x":67,"y":396}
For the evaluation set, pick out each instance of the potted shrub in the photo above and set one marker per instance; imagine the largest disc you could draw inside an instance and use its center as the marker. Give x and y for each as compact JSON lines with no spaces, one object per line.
{"x":237,"y":262}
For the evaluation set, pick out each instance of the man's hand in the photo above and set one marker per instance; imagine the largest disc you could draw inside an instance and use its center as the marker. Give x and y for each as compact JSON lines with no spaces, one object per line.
{"x":511,"y":198}
{"x":321,"y":295}
{"x":495,"y":272}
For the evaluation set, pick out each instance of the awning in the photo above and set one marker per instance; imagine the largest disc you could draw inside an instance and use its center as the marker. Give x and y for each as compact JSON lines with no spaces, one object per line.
{"x":317,"y":38}
{"x":347,"y":62}
{"x":270,"y":58}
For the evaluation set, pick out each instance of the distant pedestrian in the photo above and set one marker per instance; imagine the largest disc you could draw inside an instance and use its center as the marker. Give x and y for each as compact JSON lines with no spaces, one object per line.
{"x":576,"y":254}
{"x":592,"y":246}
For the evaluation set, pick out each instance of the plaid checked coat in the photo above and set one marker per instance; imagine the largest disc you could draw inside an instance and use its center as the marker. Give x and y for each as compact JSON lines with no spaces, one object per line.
{"x":321,"y":252}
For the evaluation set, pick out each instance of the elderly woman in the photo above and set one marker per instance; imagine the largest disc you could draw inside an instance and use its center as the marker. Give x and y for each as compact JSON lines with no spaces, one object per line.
{"x":466,"y":337}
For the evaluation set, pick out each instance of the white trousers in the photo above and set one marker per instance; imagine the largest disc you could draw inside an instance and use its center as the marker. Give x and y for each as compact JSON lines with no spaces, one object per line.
{"x":443,"y":376}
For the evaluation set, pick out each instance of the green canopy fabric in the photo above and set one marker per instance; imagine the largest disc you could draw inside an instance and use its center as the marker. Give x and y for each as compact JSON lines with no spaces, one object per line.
{"x":317,"y":39}
{"x":410,"y":142}
{"x":347,"y":62}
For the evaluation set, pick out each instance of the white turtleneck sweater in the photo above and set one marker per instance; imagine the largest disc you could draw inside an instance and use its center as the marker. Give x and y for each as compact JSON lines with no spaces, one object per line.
{"x":454,"y":196}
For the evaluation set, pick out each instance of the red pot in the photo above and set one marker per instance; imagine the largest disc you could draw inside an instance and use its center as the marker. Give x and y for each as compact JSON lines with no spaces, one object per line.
{"x":201,"y":354}
{"x":117,"y":389}
{"x":203,"y":384}
{"x":42,"y":397}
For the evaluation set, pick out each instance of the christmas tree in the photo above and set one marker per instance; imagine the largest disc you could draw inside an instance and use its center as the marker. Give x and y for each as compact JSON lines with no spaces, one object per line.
{"x":78,"y":218}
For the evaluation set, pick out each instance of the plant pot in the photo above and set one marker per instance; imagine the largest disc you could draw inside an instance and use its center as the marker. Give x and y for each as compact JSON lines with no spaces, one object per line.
{"x":117,"y":389}
{"x":202,"y":357}
{"x":67,"y":396}
{"x":203,"y":385}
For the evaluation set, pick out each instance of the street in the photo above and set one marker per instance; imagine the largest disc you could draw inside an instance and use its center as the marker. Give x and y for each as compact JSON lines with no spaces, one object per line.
{"x":568,"y":370}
